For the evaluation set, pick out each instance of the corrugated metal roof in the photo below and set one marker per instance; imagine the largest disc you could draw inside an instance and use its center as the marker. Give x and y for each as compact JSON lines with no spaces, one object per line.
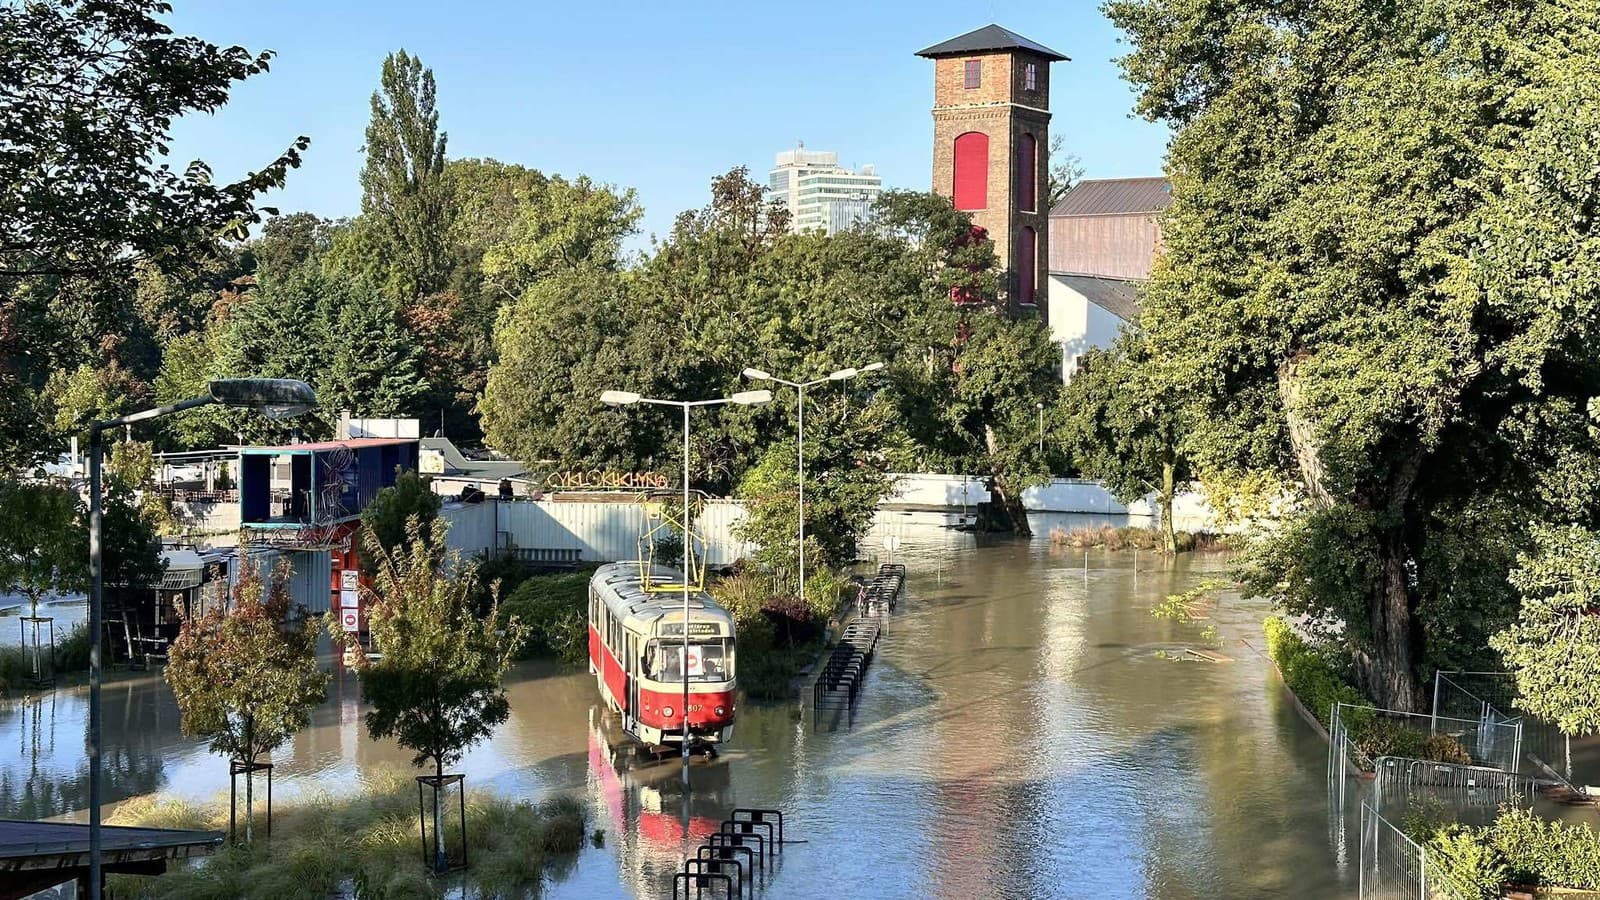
{"x":989,"y":37}
{"x":1115,"y":197}
{"x":349,"y":443}
{"x":1115,"y":296}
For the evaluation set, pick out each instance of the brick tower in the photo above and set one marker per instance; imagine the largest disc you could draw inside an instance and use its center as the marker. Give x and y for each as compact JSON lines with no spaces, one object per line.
{"x":991,"y":140}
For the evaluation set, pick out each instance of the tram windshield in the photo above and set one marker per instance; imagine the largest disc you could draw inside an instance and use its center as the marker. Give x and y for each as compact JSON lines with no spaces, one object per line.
{"x":708,"y":660}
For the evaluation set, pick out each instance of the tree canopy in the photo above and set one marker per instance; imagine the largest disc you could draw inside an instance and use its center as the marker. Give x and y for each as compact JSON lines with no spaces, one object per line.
{"x":1378,"y":285}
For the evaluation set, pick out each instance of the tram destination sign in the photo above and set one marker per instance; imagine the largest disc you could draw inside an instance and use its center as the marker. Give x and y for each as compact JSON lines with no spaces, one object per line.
{"x":696,"y":629}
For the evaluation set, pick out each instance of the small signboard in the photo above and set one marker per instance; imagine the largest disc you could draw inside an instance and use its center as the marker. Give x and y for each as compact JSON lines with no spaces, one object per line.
{"x":349,"y":580}
{"x":350,"y":618}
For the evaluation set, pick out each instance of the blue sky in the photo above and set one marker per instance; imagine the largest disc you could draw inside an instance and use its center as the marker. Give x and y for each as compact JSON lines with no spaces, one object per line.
{"x":654,"y":96}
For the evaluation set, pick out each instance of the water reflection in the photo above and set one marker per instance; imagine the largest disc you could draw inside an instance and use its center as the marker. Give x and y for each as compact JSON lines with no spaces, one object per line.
{"x":1018,"y":736}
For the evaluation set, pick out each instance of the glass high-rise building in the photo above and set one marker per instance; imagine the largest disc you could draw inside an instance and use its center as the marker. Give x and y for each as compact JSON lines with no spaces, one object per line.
{"x":822,"y":195}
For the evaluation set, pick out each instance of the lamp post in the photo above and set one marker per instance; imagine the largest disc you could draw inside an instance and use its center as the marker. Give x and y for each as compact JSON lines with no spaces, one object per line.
{"x":800,"y":452}
{"x":628,"y":398}
{"x":1040,"y":405}
{"x":275,"y":398}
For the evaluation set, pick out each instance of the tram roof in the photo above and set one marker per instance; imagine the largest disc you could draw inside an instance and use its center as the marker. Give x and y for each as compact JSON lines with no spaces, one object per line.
{"x":624,"y":581}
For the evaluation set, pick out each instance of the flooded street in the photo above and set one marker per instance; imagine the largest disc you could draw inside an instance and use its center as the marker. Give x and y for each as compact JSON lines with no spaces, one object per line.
{"x":1027,"y":729}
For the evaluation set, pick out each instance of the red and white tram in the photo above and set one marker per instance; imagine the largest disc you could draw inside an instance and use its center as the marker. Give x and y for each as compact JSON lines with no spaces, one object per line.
{"x":636,"y":652}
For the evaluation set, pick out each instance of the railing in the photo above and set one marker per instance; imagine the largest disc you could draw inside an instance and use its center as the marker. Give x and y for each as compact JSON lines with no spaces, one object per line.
{"x":553,"y":557}
{"x":879,"y":597}
{"x":1461,"y":790}
{"x":839,"y":683}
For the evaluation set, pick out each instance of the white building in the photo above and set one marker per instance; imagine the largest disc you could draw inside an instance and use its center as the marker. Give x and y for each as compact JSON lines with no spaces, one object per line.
{"x":1104,"y":235}
{"x":822,"y":195}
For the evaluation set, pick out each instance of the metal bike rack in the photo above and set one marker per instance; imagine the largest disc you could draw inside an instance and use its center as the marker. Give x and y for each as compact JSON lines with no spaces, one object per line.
{"x":838,"y":685}
{"x":756,"y":835}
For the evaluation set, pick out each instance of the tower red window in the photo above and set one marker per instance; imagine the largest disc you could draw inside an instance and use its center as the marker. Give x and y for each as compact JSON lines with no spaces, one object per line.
{"x":1027,"y":178}
{"x":970,"y":187}
{"x":974,"y":73}
{"x":1027,"y":242}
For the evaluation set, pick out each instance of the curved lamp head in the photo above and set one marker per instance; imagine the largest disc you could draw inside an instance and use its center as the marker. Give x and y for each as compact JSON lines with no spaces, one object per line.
{"x":756,"y":375}
{"x":751,"y":398}
{"x":275,"y":398}
{"x":872,"y":367}
{"x":841,"y":375}
{"x":619,"y":398}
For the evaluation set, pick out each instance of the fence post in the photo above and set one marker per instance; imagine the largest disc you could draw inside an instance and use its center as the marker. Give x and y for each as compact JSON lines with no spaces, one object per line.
{"x":1433,"y":720}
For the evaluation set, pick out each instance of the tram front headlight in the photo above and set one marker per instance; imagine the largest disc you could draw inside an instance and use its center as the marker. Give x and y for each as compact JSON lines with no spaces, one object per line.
{"x":722,"y":711}
{"x":666,"y":711}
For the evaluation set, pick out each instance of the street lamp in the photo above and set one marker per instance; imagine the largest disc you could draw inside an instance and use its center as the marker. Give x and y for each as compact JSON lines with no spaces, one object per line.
{"x":629,"y":398}
{"x":800,"y":452}
{"x":275,"y":398}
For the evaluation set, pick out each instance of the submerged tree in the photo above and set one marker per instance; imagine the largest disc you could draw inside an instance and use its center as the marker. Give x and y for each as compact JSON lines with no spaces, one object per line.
{"x":438,"y":686}
{"x":1120,"y":427}
{"x":246,"y":677}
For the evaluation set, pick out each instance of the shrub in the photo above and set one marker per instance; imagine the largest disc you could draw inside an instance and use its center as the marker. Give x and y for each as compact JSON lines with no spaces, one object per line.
{"x":506,"y":571}
{"x":1466,"y":861}
{"x":1310,"y":672}
{"x":1445,"y":748}
{"x":1547,"y":853}
{"x":555,"y":609}
{"x":72,"y":655}
{"x":1381,"y":736}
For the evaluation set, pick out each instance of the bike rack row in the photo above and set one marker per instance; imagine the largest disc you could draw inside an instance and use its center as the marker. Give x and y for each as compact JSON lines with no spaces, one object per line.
{"x":881,"y":595}
{"x":839,"y":683}
{"x":744,"y":844}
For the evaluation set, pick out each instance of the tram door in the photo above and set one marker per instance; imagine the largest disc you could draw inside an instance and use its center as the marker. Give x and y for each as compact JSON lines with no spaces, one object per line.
{"x":631,"y":669}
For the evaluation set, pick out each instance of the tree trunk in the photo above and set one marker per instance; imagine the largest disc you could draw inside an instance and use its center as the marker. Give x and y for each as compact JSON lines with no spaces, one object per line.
{"x":249,"y":780}
{"x":1387,"y":668}
{"x":1389,"y":671}
{"x":440,"y":862}
{"x":1169,"y":535}
{"x":1008,"y":504}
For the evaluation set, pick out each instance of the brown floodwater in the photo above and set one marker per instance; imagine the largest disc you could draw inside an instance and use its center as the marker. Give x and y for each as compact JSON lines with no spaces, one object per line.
{"x":1028,"y":729}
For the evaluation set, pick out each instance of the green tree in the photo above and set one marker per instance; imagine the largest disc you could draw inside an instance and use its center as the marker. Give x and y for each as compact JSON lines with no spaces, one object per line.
{"x":403,"y":192}
{"x":408,"y":504}
{"x":281,"y":330}
{"x":43,"y":547}
{"x":1553,"y":648}
{"x":438,"y":687}
{"x":92,"y":92}
{"x":1120,"y":427}
{"x":290,"y":242}
{"x":560,"y":226}
{"x":245,"y":676}
{"x":1379,"y":285}
{"x":373,"y":365}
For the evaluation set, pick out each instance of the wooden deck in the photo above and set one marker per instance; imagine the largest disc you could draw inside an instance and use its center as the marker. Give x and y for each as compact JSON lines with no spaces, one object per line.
{"x":39,"y":855}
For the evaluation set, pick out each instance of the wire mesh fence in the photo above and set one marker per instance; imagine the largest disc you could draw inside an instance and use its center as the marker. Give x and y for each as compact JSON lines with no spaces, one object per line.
{"x":1360,"y":735}
{"x":1395,"y":867}
{"x":1490,"y":698}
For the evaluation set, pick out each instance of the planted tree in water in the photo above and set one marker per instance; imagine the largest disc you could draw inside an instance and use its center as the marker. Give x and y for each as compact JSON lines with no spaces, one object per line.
{"x":437,"y":686}
{"x":246,"y":677}
{"x":1122,"y":426}
{"x":43,"y":551}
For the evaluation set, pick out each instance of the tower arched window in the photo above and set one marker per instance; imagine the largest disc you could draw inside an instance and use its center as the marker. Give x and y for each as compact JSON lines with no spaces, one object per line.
{"x":1027,"y":267}
{"x":1027,"y":177}
{"x":970,"y":187}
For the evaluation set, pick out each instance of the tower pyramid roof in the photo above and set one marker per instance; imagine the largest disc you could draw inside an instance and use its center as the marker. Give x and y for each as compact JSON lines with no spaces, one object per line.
{"x":989,"y":38}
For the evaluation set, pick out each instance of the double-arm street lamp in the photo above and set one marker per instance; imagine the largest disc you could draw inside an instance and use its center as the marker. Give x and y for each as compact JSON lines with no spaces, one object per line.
{"x":628,"y":398}
{"x":800,"y":453}
{"x":275,"y":398}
